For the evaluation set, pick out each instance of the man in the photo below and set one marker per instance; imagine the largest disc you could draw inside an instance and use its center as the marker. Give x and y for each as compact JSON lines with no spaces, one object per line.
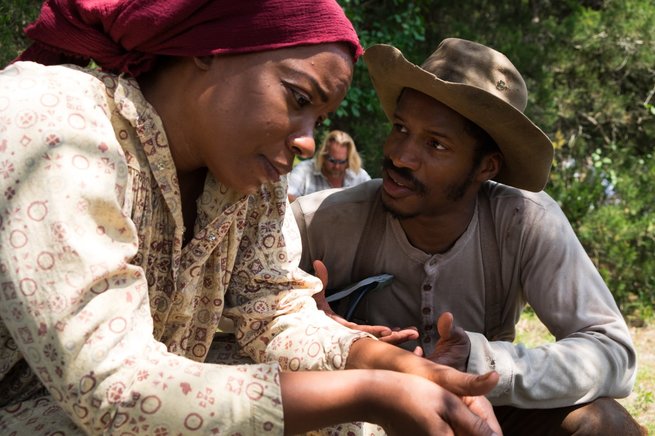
{"x":336,"y":165}
{"x":473,"y":250}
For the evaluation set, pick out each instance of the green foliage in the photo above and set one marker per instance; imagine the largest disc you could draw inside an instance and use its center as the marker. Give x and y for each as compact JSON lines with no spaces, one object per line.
{"x":590,"y":69}
{"x":604,"y":168}
{"x":14,"y":16}
{"x":620,"y":237}
{"x":360,"y":114}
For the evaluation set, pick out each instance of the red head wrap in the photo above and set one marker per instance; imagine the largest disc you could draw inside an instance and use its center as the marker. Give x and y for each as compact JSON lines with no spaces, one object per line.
{"x":127,"y":35}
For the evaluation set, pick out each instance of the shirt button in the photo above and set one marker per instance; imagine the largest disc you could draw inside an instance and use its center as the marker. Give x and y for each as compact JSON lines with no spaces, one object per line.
{"x":427,"y":287}
{"x":426,"y":339}
{"x":426,"y":310}
{"x":212,"y":237}
{"x":428,"y":327}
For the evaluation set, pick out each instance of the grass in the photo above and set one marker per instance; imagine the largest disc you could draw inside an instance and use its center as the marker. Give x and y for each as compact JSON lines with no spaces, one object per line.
{"x":641,"y":403}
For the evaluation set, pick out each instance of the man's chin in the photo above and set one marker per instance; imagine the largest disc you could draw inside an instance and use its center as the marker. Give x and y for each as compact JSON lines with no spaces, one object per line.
{"x":394,"y":207}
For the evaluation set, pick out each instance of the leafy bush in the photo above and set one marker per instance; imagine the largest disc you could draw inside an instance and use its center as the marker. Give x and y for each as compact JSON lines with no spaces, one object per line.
{"x":590,"y":69}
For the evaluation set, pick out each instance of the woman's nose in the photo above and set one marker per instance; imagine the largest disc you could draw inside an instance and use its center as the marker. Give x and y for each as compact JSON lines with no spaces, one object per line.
{"x":303,"y":145}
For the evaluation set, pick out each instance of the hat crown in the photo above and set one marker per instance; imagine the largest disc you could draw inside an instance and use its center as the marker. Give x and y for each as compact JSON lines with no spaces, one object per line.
{"x":469,"y":63}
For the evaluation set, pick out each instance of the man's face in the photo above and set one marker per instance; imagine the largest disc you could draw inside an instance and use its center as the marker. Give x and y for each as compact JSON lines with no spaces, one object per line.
{"x":428,"y":159}
{"x":248,"y":115}
{"x":336,"y":161}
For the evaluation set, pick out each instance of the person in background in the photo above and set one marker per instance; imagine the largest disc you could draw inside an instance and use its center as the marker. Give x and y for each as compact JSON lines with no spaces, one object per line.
{"x":145,"y":202}
{"x":461,"y":222}
{"x":336,"y":165}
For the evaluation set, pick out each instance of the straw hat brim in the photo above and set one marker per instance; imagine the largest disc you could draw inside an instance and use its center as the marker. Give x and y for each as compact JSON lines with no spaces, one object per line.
{"x":527,"y":151}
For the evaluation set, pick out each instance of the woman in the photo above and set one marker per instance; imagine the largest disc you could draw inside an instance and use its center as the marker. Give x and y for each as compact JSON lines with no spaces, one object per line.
{"x":144,"y":203}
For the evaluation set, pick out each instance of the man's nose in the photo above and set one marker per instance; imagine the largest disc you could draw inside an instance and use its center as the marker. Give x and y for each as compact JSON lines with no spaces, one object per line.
{"x":403,"y":154}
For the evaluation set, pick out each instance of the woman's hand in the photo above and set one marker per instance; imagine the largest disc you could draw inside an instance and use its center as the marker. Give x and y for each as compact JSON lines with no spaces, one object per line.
{"x":369,"y":353}
{"x":383,"y":333}
{"x":400,"y":403}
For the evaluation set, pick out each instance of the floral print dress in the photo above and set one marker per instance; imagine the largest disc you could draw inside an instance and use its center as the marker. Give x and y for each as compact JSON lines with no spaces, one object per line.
{"x":107,"y":319}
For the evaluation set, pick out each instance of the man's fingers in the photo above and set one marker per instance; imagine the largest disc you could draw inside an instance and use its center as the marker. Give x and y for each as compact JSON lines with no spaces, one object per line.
{"x":445,"y":325}
{"x":320,"y":271}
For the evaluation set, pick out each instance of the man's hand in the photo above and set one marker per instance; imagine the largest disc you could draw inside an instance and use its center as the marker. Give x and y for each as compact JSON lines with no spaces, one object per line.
{"x":383,"y":333}
{"x":453,"y":347}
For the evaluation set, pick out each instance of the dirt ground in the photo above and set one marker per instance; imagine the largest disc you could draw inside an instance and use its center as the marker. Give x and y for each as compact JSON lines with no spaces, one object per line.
{"x":641,"y":403}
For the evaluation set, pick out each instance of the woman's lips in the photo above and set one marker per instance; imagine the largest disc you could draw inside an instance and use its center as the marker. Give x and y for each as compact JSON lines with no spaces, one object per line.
{"x":275,"y":170}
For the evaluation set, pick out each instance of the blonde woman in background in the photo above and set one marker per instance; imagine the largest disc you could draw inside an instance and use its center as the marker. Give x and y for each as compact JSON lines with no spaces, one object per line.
{"x":336,"y":165}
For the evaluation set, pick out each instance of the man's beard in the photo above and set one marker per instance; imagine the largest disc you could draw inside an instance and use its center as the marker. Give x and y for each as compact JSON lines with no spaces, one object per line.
{"x":454,"y":191}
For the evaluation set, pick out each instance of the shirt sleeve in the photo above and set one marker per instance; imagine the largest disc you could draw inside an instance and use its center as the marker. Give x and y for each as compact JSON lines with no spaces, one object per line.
{"x":362,"y":176}
{"x":297,"y":178}
{"x":593,"y":355}
{"x":270,"y":298}
{"x":73,"y":303}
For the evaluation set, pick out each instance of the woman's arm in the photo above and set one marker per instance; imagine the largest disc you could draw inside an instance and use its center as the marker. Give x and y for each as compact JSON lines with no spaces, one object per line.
{"x":371,"y":354}
{"x":400,"y":403}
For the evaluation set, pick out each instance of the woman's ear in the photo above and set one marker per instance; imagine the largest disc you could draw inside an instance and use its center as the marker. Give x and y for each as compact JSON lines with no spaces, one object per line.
{"x":203,"y":62}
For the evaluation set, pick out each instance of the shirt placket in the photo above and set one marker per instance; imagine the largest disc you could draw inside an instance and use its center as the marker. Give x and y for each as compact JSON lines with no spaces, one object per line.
{"x":428,"y":330}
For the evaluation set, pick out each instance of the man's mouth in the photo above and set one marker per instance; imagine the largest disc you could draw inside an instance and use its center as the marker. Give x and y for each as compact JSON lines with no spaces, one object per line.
{"x":399,"y":179}
{"x":396,"y":185}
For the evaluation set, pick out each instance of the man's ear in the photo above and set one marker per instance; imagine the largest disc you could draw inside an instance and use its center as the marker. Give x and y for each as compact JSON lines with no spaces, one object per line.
{"x":203,"y":62}
{"x":490,"y":166}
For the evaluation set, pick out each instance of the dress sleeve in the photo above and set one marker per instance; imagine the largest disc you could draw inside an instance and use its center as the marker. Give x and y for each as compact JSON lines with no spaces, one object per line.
{"x":270,"y":298}
{"x":593,"y":355}
{"x":71,"y":300}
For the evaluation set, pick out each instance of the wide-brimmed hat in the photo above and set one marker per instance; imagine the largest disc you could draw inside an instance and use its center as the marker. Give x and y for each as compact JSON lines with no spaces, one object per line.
{"x":482,"y":85}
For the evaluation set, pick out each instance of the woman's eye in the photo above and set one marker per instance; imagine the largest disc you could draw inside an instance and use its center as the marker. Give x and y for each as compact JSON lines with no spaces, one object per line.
{"x":301,"y":99}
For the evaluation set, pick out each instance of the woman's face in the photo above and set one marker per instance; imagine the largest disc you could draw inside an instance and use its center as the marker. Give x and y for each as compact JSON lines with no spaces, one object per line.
{"x":251,"y":113}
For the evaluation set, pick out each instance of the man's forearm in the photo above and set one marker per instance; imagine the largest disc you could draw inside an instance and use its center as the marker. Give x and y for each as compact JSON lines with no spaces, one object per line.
{"x":574,"y":370}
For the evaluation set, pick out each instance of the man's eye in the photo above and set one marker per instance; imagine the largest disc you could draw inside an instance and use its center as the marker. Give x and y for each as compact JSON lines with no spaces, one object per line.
{"x":399,"y":128}
{"x":436,"y":145}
